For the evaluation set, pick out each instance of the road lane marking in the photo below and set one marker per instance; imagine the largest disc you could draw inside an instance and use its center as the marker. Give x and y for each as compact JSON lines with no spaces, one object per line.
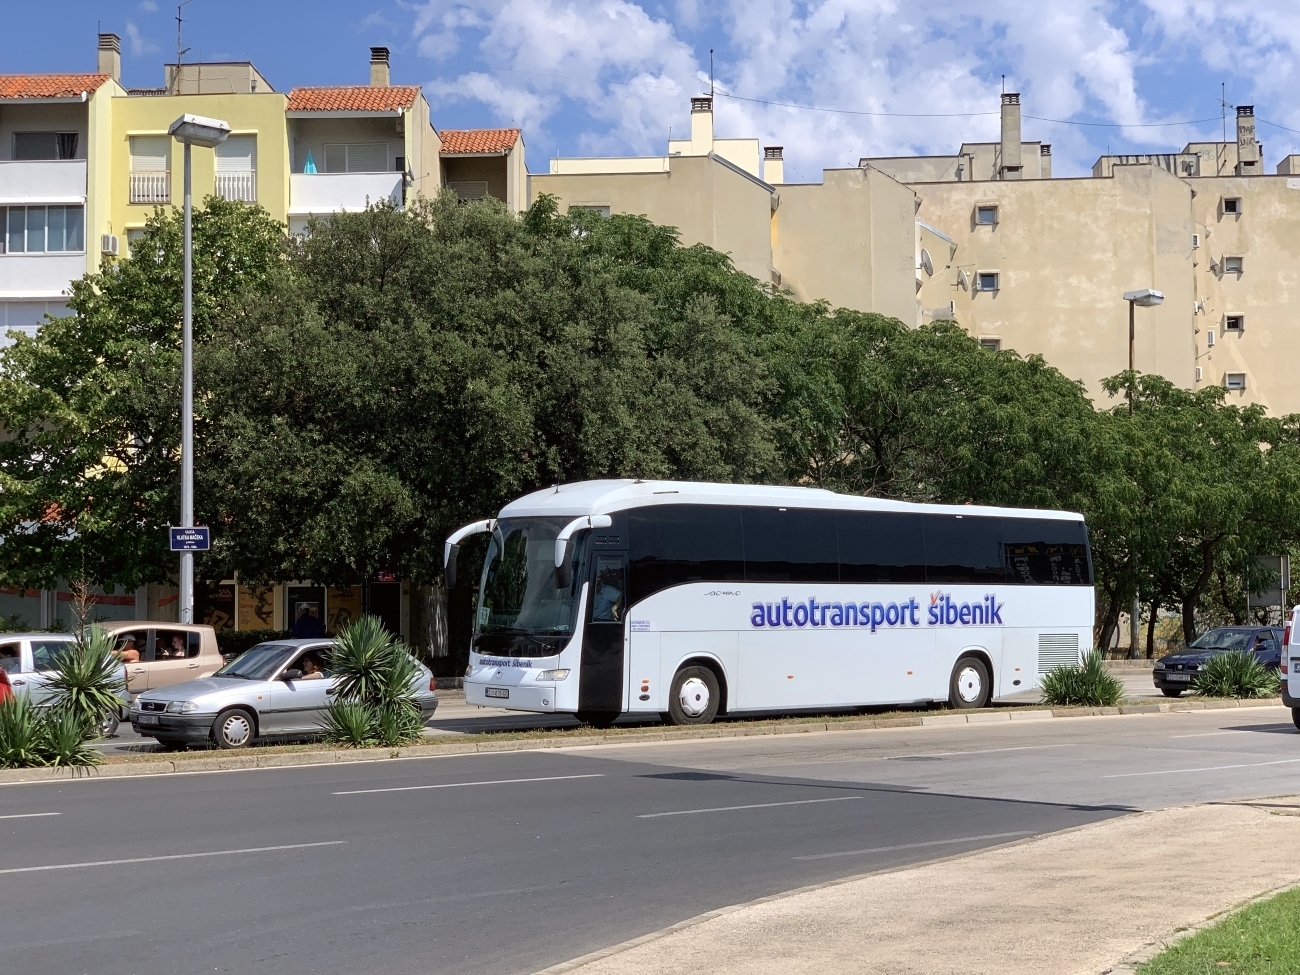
{"x":1208,"y":768}
{"x":173,"y":856}
{"x":461,"y":785}
{"x":28,"y":815}
{"x":756,"y":805}
{"x":1211,"y":734}
{"x":917,"y":846}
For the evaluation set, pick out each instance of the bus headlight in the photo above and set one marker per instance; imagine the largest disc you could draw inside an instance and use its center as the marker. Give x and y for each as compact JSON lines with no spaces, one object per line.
{"x":552,"y":674}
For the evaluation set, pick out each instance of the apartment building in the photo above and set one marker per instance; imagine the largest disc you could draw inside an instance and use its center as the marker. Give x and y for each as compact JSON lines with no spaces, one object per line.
{"x":482,"y":163}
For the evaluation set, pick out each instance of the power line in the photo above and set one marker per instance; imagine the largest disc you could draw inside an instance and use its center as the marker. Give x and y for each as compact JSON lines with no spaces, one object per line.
{"x":1276,"y":126}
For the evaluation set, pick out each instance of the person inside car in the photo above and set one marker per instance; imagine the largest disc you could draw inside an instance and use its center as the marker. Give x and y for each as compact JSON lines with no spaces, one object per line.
{"x":311,"y":668}
{"x":126,"y":650}
{"x":9,"y":659}
{"x":178,"y":646}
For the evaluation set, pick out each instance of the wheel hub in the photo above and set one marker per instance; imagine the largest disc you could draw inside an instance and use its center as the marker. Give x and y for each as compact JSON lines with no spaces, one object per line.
{"x":970,"y":684}
{"x":236,"y":729}
{"x":694,"y":697}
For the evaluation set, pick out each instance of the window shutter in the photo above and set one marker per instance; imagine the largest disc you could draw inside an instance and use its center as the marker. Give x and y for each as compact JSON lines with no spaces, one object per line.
{"x":151,"y":153}
{"x":238,"y":154}
{"x":370,"y":157}
{"x":36,"y":145}
{"x":336,"y":159}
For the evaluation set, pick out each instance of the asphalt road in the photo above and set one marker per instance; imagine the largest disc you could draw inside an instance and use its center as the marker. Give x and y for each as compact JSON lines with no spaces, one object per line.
{"x":509,"y":863}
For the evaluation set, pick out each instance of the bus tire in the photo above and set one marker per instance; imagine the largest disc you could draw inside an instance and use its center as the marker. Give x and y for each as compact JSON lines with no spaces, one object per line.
{"x":695,"y":696}
{"x":1295,"y":717}
{"x":969,"y":686}
{"x":597,"y":719}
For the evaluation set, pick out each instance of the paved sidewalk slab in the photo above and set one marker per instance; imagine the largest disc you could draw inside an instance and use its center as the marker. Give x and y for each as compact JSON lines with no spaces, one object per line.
{"x":1073,"y":903}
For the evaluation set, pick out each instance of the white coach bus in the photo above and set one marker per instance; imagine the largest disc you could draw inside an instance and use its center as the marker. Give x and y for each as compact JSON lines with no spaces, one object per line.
{"x":690,"y":600}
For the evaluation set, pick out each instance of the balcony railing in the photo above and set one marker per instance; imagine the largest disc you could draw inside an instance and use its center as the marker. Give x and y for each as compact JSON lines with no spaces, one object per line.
{"x":151,"y":187}
{"x":42,"y":181}
{"x":238,"y":186}
{"x":325,"y":193}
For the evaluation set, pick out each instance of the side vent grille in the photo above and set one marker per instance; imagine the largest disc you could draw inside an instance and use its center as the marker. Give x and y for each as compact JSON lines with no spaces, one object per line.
{"x":1057,"y":650}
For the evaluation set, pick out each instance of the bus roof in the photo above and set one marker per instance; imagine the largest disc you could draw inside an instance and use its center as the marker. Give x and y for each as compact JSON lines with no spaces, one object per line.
{"x":607,"y":497}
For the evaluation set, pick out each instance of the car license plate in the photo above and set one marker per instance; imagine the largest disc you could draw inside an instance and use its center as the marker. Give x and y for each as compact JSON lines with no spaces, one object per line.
{"x":1186,"y":677}
{"x":147,"y":719}
{"x":501,"y":692}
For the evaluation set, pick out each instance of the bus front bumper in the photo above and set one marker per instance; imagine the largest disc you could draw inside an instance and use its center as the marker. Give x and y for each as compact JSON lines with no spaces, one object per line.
{"x":514,"y":695}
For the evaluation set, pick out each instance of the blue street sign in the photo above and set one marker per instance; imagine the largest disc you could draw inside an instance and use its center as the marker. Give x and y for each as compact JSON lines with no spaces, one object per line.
{"x":189,"y":539}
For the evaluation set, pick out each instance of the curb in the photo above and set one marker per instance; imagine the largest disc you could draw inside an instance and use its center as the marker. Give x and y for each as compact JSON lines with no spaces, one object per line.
{"x":248,"y":761}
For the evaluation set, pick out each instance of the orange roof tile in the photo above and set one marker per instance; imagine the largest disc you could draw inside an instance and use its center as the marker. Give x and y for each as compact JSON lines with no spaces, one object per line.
{"x":49,"y":85}
{"x":353,"y":98}
{"x":470,"y":141}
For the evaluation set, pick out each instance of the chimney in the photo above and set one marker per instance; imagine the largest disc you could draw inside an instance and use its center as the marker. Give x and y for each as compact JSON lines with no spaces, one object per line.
{"x":1011,"y":167}
{"x":701,"y":126}
{"x":379,"y":67}
{"x":110,"y":56}
{"x":1248,"y":150}
{"x":1045,"y":161}
{"x":773,"y":165}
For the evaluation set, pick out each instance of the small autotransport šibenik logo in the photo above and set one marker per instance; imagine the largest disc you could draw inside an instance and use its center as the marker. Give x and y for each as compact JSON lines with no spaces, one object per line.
{"x":942,"y":611}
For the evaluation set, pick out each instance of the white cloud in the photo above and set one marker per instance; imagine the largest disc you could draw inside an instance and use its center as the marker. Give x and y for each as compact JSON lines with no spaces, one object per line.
{"x":148,"y":6}
{"x":139,"y":43}
{"x":610,"y":76}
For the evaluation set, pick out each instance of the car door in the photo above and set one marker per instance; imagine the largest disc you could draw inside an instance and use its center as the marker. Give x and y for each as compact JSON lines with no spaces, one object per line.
{"x":1268,"y":649}
{"x":44,"y":652}
{"x":16,"y":661}
{"x":135,"y":671}
{"x":174,"y":658}
{"x":298,"y":706}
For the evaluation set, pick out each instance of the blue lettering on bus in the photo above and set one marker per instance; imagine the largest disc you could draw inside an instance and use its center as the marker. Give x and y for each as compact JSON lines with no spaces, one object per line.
{"x":942,"y":611}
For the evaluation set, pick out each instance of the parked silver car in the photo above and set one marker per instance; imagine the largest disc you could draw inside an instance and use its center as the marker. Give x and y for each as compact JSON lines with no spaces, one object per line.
{"x":29,"y":659}
{"x":275,"y":690}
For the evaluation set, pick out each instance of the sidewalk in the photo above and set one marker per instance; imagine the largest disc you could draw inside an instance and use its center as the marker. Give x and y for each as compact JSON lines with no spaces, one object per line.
{"x":1072,"y":903}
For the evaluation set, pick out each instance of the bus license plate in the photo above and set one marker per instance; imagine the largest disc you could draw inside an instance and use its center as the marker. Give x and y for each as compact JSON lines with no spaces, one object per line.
{"x":501,"y":692}
{"x":1186,"y":677}
{"x":147,"y":719}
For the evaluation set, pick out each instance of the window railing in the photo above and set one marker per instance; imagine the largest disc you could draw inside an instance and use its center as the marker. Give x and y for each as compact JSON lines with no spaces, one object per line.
{"x":152,"y":187}
{"x":238,"y":186}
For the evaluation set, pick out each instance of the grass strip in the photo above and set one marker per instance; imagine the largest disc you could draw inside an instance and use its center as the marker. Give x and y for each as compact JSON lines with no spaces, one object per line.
{"x":1262,"y":939}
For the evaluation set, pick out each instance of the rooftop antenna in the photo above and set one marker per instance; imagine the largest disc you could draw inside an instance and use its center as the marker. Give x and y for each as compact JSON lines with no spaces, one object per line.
{"x":1004,"y":84}
{"x":710,"y":72}
{"x":180,"y":51}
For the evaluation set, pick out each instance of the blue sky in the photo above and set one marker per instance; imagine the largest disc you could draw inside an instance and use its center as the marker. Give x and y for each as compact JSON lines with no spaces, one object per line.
{"x":589,"y":77}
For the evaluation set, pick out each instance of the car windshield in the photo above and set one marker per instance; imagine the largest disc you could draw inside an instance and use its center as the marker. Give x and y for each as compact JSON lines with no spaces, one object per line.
{"x":518,"y":594}
{"x":259,"y":663}
{"x":1224,"y":638}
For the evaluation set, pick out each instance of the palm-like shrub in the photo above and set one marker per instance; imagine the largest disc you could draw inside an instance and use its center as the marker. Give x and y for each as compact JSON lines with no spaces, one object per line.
{"x":22,"y":736}
{"x":86,"y":681}
{"x":64,"y":740}
{"x":1236,"y":674}
{"x":375,"y":703}
{"x":1090,"y":684}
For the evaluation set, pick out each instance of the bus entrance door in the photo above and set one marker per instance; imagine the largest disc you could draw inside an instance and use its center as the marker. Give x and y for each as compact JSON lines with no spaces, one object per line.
{"x":600,"y":688}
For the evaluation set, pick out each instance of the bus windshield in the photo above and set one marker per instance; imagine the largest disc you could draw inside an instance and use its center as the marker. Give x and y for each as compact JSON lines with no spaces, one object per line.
{"x":521,"y":613}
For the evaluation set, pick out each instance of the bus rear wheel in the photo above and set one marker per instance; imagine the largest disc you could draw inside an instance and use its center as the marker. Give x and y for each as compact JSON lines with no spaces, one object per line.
{"x":695,"y":696}
{"x":970,"y":686}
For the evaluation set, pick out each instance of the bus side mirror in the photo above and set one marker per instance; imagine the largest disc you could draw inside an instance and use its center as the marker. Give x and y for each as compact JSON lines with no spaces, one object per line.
{"x":452,"y":552}
{"x":564,"y":568}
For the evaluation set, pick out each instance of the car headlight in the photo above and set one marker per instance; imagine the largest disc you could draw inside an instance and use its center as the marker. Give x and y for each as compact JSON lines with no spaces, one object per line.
{"x":181,"y":707}
{"x":552,"y":674}
{"x":1158,"y":666}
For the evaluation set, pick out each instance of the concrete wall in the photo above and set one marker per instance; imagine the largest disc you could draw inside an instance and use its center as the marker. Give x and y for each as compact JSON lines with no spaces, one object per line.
{"x":1066,"y":250}
{"x":1266,"y":235}
{"x":706,"y":200}
{"x":850,"y":240}
{"x":422,"y":151}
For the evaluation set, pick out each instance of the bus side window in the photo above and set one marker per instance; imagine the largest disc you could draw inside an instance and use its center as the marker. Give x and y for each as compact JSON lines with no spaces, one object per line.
{"x":964,"y":549}
{"x":1046,"y":553}
{"x":790,"y":545}
{"x":880,"y":546}
{"x":677,"y":543}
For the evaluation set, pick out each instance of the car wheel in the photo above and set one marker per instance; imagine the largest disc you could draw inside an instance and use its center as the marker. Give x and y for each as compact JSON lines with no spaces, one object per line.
{"x":235,"y":728}
{"x":1171,"y":691}
{"x":107,"y":726}
{"x":694,"y":697}
{"x":1295,"y":717}
{"x":969,"y":686}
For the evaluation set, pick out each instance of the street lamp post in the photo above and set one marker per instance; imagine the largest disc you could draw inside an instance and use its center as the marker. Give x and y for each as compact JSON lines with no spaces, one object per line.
{"x":1147,"y":298}
{"x":190,"y":130}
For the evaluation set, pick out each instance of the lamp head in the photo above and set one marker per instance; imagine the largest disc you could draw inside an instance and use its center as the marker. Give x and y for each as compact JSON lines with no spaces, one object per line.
{"x":1145,"y":298}
{"x":199,"y":131}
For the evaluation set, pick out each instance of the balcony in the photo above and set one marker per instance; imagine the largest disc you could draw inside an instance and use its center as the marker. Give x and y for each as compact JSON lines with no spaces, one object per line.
{"x":321,"y":194}
{"x":155,"y":187}
{"x":240,"y":187}
{"x":43,"y":181}
{"x":39,"y":275}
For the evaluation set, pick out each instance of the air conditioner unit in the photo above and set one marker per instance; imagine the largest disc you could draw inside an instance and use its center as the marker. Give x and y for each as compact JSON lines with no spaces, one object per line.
{"x":1196,"y":241}
{"x":1209,"y":337}
{"x":1198,"y":374}
{"x":108,"y":244}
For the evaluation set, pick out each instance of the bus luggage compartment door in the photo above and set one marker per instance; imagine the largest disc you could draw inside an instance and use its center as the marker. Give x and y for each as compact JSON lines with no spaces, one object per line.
{"x":601,"y":685}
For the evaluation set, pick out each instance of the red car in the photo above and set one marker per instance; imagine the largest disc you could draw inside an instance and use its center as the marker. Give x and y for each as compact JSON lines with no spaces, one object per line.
{"x":6,"y":689}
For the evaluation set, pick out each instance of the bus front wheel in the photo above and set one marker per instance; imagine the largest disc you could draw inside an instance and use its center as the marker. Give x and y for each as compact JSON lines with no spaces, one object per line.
{"x":970,"y":686}
{"x":695,"y":696}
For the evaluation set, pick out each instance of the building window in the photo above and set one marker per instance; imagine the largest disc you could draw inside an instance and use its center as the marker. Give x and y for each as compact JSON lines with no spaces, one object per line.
{"x":151,"y":159}
{"x":42,"y":230}
{"x":1232,"y":205}
{"x":992,"y":344}
{"x":987,"y":281}
{"x":1234,"y":323}
{"x":45,"y":145}
{"x":1233,"y":265}
{"x":1235,"y":380}
{"x":236,"y":160}
{"x":604,"y":211}
{"x":986,"y":216}
{"x":469,"y":189}
{"x":361,"y":157}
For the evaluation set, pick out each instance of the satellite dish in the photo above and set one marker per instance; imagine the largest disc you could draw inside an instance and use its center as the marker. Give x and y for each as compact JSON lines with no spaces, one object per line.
{"x":963,"y":282}
{"x":927,"y":264}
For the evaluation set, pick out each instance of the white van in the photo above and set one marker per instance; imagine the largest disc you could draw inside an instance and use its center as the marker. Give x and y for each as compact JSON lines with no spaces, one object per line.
{"x":1291,"y":665}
